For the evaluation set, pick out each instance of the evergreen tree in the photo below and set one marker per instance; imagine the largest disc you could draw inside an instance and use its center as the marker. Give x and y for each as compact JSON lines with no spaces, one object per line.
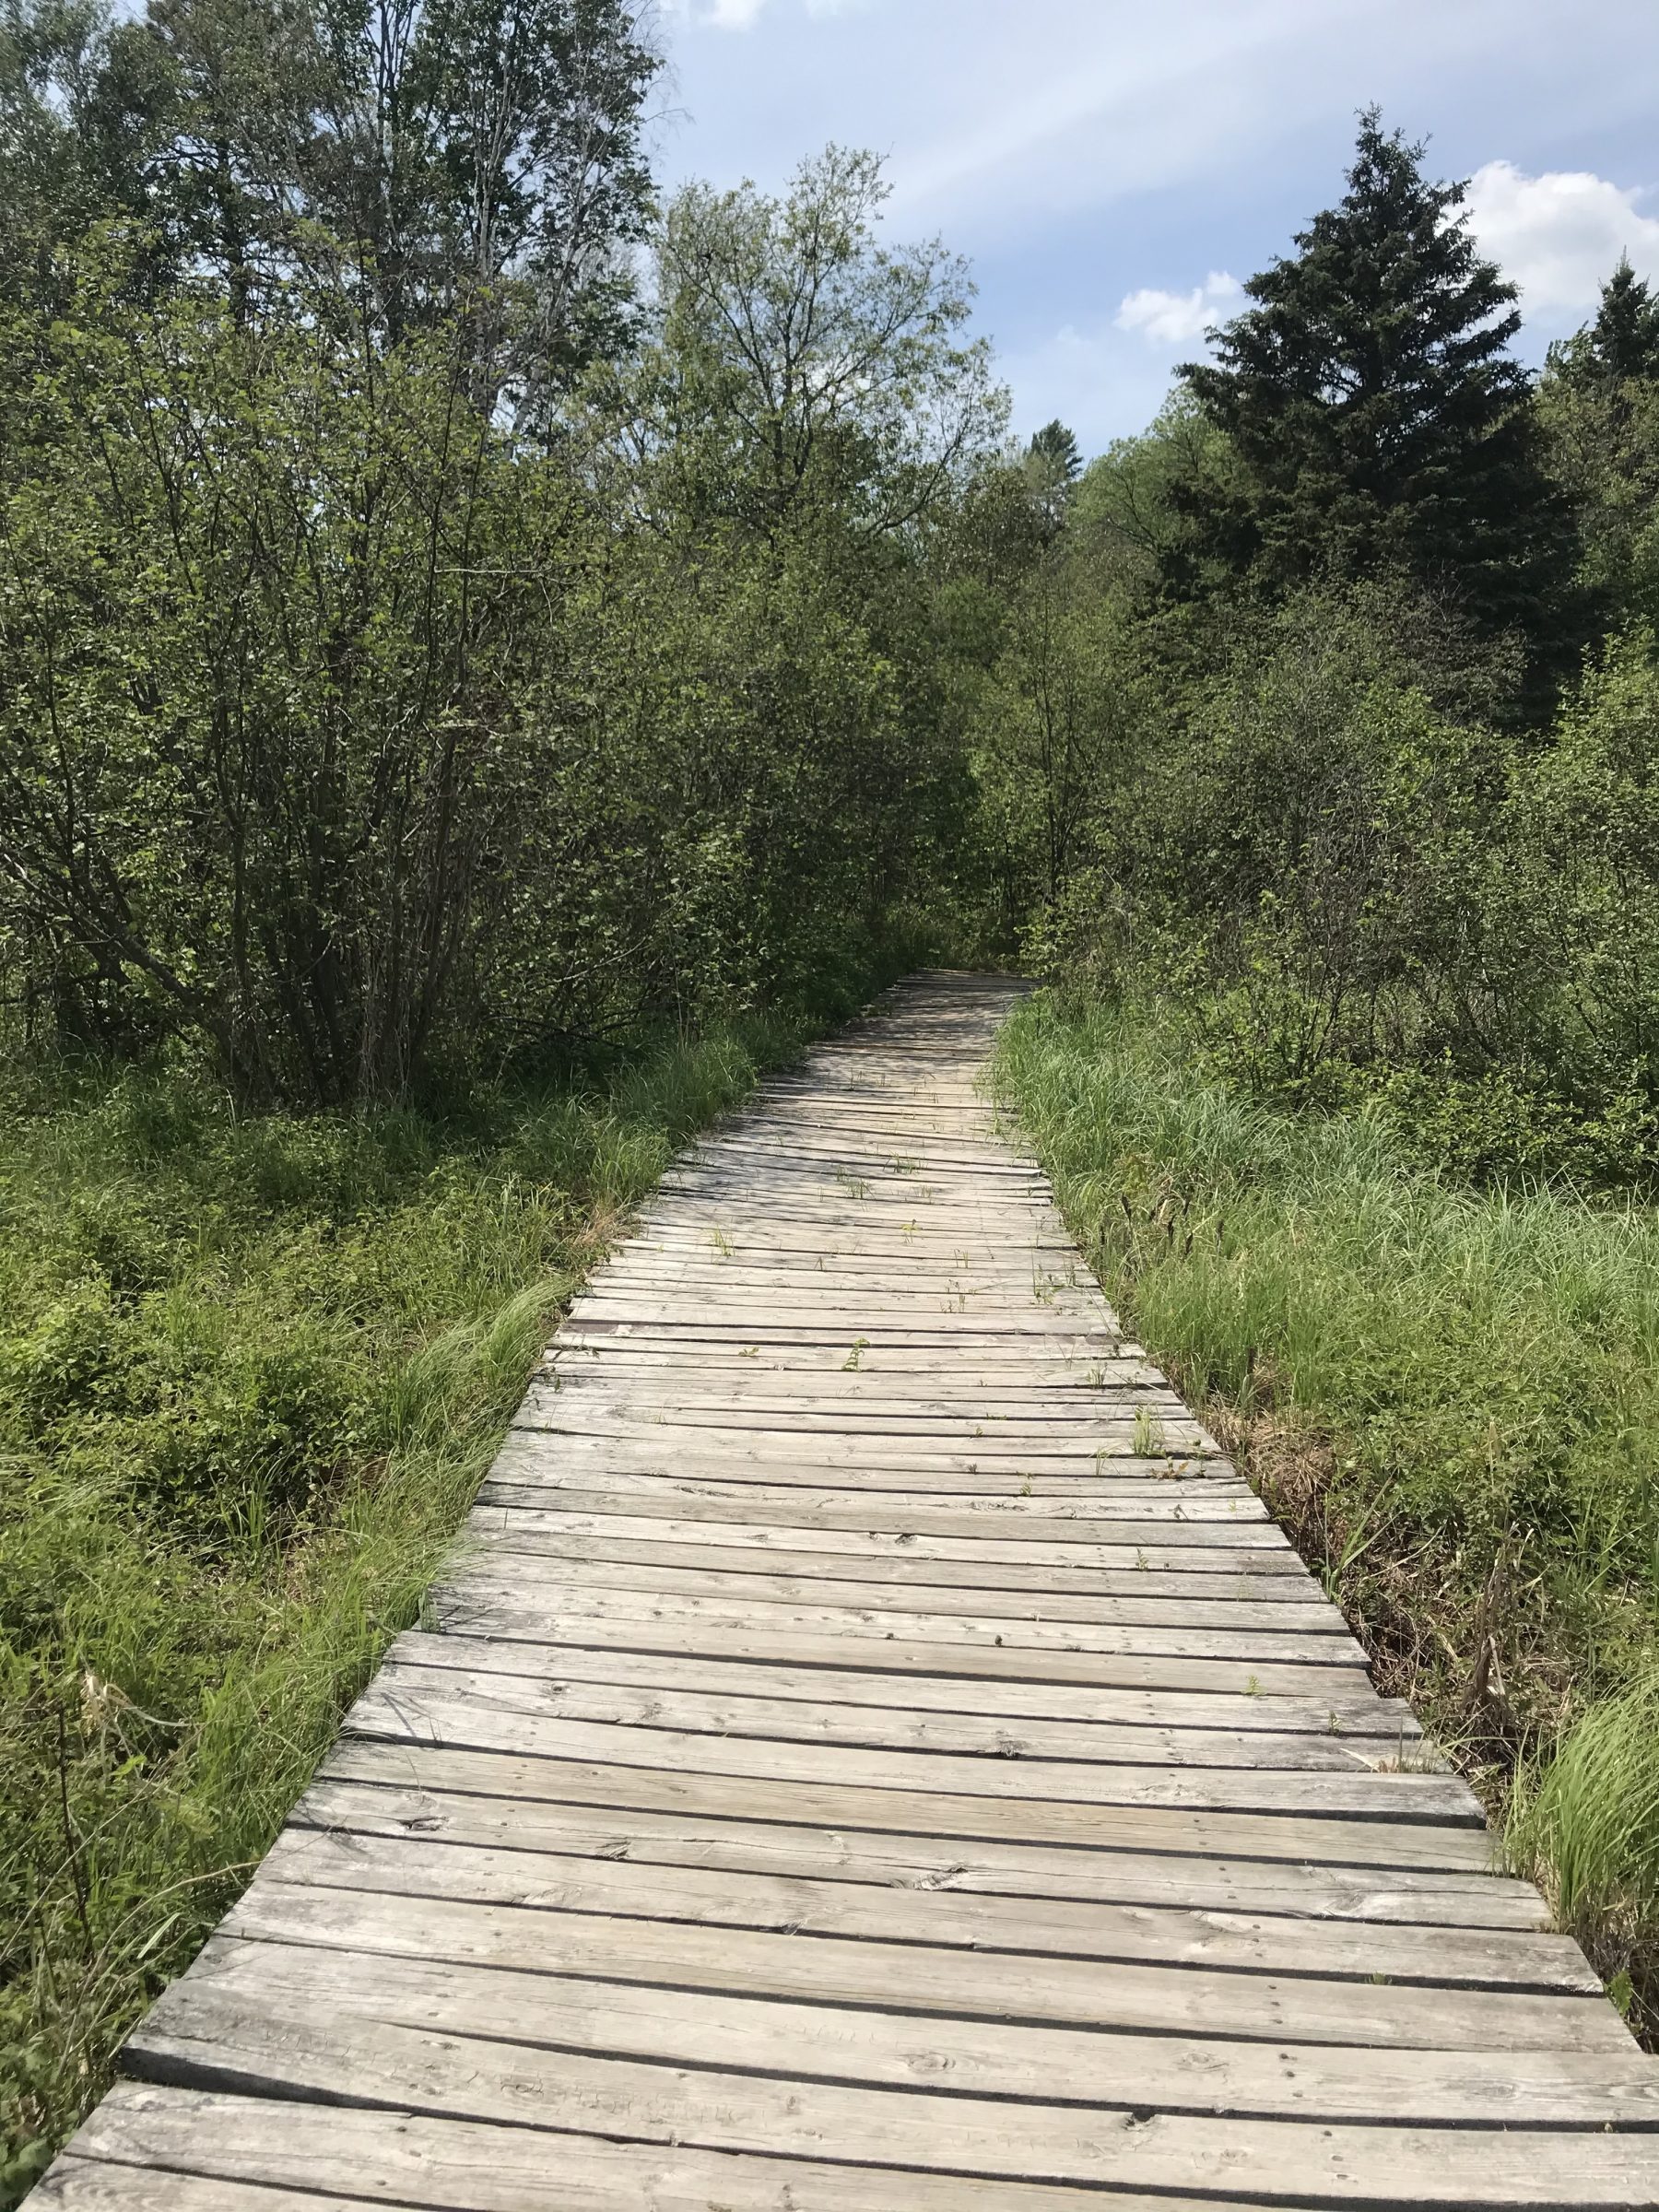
{"x":1052,"y":465}
{"x":1053,"y":450}
{"x":1622,"y":345}
{"x":1378,"y":422}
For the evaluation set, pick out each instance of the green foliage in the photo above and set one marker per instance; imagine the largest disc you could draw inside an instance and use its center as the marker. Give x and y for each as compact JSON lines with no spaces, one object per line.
{"x":1057,"y":726}
{"x":805,"y":371}
{"x":1131,"y":497}
{"x":1621,"y":346}
{"x":1586,"y":840}
{"x":82,"y":96}
{"x":250,"y":1369}
{"x":1360,"y":885}
{"x":479,"y":158}
{"x":1452,"y":1397}
{"x":1602,"y":440}
{"x":355,"y":740}
{"x":1053,"y":465}
{"x":1587,"y":1819}
{"x":262,"y":610}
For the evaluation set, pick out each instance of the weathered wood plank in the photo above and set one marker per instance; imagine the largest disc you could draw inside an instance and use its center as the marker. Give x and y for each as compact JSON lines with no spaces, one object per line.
{"x":1291,"y":1839}
{"x":528,"y":1457}
{"x":1025,"y":1989}
{"x":1310,"y":1892}
{"x":307,"y":2048}
{"x":246,"y":2154}
{"x":402,"y":1864}
{"x":751,"y":1579}
{"x":655,"y":1704}
{"x":1212,"y":1584}
{"x":435,"y":1707}
{"x":498,"y":1582}
{"x":1203,"y":1515}
{"x":768,"y":1633}
{"x":1358,"y":1712}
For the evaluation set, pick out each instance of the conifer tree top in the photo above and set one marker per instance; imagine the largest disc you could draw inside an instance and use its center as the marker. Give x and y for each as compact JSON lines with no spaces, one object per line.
{"x":1387,"y":329}
{"x":1623,"y":341}
{"x":1374,"y":417}
{"x":1056,"y":446}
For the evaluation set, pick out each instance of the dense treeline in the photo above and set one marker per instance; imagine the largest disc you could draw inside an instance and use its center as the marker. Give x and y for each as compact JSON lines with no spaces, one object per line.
{"x":448,"y":604}
{"x":1331,"y":706}
{"x":451,"y":604}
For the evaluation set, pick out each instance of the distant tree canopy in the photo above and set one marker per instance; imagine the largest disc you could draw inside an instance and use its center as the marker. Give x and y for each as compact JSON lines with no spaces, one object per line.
{"x":1374,"y":418}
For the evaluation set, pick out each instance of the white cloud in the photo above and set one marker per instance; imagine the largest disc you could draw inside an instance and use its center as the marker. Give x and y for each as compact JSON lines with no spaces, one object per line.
{"x":717,"y":15}
{"x":1177,"y":318}
{"x":1558,"y":236}
{"x":743,"y":15}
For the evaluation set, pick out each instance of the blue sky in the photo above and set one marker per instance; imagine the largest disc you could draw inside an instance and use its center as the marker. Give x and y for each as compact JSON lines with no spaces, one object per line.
{"x":1109,"y":169}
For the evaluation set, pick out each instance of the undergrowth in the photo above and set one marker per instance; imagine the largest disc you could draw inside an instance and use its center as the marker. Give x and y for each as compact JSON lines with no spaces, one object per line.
{"x":251,"y":1370}
{"x":1449,"y":1396}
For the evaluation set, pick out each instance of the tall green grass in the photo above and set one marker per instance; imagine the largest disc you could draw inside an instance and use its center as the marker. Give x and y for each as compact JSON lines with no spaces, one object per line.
{"x":250,"y":1373}
{"x":1452,"y":1397}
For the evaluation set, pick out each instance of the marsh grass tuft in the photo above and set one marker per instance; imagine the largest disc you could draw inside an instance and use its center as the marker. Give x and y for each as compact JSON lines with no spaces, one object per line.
{"x":1587,"y":1821}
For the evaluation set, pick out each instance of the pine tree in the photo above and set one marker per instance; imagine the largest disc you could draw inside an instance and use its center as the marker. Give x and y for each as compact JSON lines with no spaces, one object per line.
{"x":1053,"y":450}
{"x":1378,"y":422}
{"x":1622,"y":345}
{"x":1052,"y":465}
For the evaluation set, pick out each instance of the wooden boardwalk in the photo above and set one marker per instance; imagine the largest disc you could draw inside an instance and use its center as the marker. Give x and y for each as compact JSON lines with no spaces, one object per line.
{"x":873,"y":1755}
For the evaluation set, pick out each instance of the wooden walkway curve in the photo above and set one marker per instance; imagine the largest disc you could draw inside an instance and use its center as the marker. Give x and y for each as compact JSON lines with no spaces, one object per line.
{"x":873,"y":1754}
